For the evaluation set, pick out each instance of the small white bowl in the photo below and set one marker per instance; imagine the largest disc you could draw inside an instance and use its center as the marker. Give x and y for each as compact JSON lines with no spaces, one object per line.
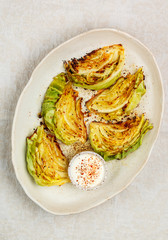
{"x":77,"y":161}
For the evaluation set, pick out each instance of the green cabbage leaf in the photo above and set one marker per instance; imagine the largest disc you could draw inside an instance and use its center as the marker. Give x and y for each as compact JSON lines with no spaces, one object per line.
{"x":98,"y":69}
{"x":117,"y":140}
{"x":120,"y":99}
{"x":45,"y":161}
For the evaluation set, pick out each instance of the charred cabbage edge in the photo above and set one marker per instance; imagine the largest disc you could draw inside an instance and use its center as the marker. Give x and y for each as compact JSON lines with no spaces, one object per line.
{"x":68,"y":117}
{"x":120,"y":99}
{"x":116,"y":141}
{"x":98,"y":69}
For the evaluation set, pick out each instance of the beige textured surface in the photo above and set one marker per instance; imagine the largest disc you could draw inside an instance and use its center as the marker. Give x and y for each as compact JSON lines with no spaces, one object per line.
{"x":28,"y":31}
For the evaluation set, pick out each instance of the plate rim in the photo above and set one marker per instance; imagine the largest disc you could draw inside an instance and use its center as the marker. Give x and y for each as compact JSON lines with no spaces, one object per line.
{"x":29,"y":82}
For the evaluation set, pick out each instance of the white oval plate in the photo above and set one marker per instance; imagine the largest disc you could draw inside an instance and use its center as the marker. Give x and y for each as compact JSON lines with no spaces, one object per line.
{"x":67,"y":199}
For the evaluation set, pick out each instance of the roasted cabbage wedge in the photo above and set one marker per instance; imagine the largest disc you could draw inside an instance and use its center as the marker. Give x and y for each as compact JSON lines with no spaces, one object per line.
{"x":116,"y":141}
{"x":68,"y":117}
{"x":98,"y":69}
{"x":51,"y":97}
{"x":45,"y":161}
{"x":120,"y":99}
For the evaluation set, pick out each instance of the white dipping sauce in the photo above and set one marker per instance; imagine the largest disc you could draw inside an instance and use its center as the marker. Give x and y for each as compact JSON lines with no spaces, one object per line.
{"x":87,"y":170}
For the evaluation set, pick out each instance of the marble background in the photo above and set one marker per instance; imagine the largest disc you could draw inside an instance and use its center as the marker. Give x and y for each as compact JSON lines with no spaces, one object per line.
{"x":28,"y":31}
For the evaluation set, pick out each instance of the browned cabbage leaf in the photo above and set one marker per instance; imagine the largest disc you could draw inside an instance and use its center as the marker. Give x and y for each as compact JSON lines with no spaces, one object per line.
{"x":45,"y":161}
{"x":120,"y":99}
{"x":98,"y":69}
{"x":116,"y":141}
{"x":68,"y":117}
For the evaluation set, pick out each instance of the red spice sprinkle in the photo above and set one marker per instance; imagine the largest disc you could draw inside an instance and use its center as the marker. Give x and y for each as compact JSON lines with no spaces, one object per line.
{"x":88,"y":170}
